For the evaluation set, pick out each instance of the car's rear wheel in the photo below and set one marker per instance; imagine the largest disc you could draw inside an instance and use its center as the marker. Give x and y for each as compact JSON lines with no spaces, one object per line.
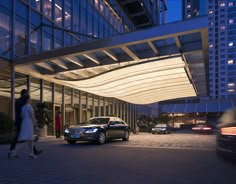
{"x":126,"y":136}
{"x":101,"y":138}
{"x":71,"y":142}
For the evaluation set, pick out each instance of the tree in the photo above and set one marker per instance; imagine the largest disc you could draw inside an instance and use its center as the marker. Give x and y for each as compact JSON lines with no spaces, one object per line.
{"x":42,"y":115}
{"x":164,"y":118}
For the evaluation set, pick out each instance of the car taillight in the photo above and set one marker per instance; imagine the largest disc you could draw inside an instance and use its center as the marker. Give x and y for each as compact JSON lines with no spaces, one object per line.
{"x":196,"y":128}
{"x":228,"y":131}
{"x":207,"y":128}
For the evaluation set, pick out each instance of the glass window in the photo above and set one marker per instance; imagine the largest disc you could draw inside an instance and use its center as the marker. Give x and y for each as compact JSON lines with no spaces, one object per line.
{"x":35,"y":32}
{"x":36,"y":4}
{"x":47,"y":8}
{"x":47,"y":37}
{"x":5,"y":33}
{"x":230,"y":44}
{"x":67,"y":14}
{"x":231,"y":84}
{"x":58,"y":12}
{"x":231,"y":21}
{"x":20,"y":36}
{"x":231,"y":4}
{"x":230,"y":62}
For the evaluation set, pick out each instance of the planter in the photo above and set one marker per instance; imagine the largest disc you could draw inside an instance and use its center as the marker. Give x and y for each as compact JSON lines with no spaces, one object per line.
{"x":43,"y":132}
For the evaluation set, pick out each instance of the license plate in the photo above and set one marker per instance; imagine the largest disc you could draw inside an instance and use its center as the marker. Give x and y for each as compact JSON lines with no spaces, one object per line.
{"x":76,"y":136}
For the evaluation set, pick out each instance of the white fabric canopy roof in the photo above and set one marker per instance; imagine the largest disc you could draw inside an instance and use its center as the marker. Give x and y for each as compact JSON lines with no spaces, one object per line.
{"x":142,"y":83}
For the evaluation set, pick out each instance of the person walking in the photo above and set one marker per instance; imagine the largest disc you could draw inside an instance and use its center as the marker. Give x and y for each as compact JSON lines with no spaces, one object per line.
{"x":58,"y":125}
{"x":28,"y":125}
{"x":18,"y":120}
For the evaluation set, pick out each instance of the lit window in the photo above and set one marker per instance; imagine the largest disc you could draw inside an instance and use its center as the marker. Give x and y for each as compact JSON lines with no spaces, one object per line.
{"x":210,"y":12}
{"x":230,"y":44}
{"x":231,"y":21}
{"x":211,"y":23}
{"x":230,"y":62}
{"x":189,"y":6}
{"x":211,"y":46}
{"x":222,"y":28}
{"x":189,"y":15}
{"x":231,"y":84}
{"x":231,"y":90}
{"x":222,"y":4}
{"x":231,"y":4}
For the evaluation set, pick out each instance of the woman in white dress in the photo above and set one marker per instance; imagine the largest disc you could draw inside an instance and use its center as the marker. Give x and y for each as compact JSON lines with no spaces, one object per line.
{"x":27,"y":126}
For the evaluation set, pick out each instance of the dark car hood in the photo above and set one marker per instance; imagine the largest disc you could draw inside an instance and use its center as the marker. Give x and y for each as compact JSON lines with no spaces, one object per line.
{"x":87,"y":126}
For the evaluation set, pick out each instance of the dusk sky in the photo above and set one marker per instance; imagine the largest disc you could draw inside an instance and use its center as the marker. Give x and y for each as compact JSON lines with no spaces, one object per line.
{"x":174,"y":12}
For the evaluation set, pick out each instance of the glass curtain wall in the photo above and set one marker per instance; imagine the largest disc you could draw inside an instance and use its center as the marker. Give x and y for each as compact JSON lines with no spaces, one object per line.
{"x":39,"y":25}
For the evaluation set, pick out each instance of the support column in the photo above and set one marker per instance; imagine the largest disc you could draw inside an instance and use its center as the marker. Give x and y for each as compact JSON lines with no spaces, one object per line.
{"x":104,"y":107}
{"x":121,"y":110}
{"x":93,"y":105}
{"x":127,"y":112}
{"x":99,"y":107}
{"x":130,"y":116}
{"x":124,"y":111}
{"x":135,"y":115}
{"x":28,"y":81}
{"x":80,"y":107}
{"x":41,"y":90}
{"x":109,"y":107}
{"x":87,"y":106}
{"x":73,"y":104}
{"x":117,"y":109}
{"x":53,"y":108}
{"x":113,"y":107}
{"x":12,"y":91}
{"x":63,"y":109}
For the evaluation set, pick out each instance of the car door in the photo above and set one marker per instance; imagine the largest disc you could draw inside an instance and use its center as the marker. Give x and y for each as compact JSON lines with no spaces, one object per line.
{"x":121,"y":129}
{"x":112,"y":130}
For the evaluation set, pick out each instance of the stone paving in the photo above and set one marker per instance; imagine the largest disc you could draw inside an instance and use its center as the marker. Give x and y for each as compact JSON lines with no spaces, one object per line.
{"x":173,"y":141}
{"x":178,"y":158}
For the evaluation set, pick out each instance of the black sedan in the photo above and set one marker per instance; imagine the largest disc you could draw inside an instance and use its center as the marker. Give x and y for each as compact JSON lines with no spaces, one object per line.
{"x":226,"y":136}
{"x":98,"y":129}
{"x":161,"y":128}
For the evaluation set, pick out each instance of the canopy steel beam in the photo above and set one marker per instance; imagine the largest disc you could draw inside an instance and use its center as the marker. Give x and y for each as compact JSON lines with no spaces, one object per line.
{"x":143,"y":36}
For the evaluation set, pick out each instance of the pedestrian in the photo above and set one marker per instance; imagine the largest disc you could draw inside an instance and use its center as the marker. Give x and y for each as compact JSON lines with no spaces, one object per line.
{"x":58,"y":125}
{"x":28,"y":125}
{"x":18,"y":120}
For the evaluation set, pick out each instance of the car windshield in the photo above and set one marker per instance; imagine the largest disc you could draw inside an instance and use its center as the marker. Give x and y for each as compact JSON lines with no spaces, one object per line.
{"x":161,"y":126}
{"x":96,"y":121}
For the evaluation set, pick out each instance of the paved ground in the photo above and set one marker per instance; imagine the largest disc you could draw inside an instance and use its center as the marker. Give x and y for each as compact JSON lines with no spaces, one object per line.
{"x":174,"y":159}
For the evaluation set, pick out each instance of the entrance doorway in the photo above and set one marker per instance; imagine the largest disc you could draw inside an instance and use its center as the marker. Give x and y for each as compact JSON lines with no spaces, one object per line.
{"x":51,"y":128}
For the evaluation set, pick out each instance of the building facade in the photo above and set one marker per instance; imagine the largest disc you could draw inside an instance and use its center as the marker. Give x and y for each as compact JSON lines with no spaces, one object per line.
{"x":221,"y":69}
{"x":222,"y":44}
{"x":29,"y":27}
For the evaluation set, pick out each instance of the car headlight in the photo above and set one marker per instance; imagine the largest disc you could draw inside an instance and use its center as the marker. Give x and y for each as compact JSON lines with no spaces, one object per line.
{"x":153,"y":129}
{"x":91,"y":130}
{"x":67,"y":131}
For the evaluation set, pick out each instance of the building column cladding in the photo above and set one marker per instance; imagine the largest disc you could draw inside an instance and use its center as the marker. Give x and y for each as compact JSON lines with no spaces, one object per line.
{"x":13,"y":91}
{"x":63,"y":113}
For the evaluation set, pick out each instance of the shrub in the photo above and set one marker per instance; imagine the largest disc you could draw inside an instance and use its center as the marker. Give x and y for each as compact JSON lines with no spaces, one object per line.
{"x":42,"y":115}
{"x":6,"y":123}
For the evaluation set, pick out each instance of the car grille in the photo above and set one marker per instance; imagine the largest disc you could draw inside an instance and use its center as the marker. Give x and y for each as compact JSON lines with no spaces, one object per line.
{"x":77,"y":130}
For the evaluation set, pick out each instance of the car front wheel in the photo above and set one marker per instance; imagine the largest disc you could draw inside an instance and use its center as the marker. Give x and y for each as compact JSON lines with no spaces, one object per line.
{"x":126,"y":136}
{"x":101,"y":138}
